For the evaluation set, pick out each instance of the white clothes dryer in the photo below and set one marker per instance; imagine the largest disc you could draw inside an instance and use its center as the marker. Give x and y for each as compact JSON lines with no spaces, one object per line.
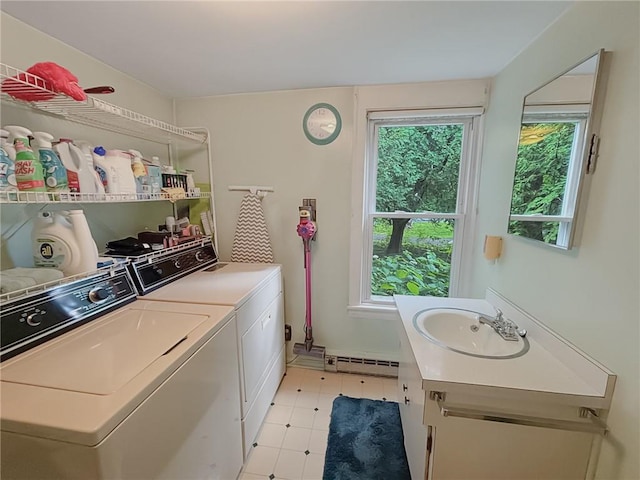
{"x":255,"y":292}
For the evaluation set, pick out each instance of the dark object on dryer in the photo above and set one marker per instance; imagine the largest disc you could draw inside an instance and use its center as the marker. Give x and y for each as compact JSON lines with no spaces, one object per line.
{"x":153,"y":237}
{"x":128,"y":247}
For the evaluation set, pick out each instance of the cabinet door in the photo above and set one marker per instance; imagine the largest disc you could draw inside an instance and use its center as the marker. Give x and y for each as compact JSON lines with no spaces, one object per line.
{"x":478,"y":449}
{"x":411,"y":402}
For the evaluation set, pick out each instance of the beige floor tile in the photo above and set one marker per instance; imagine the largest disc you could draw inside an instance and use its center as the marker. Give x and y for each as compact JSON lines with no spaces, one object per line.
{"x":279,"y":414}
{"x":325,"y":400}
{"x":318,"y":441}
{"x":262,"y":460}
{"x":251,"y":476}
{"x":286,"y":397}
{"x":297,"y":439}
{"x":351,"y":389}
{"x":271,"y":435}
{"x":307,"y":399}
{"x":313,"y":467}
{"x":321,"y":421}
{"x":290,"y":465}
{"x":373,"y":391}
{"x":302,"y":417}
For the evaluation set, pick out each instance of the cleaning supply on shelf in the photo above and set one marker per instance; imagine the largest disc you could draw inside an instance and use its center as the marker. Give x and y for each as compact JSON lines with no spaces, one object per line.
{"x":28,"y":169}
{"x":139,"y":172}
{"x":7,"y":144}
{"x":119,"y":174}
{"x":87,"y":150}
{"x":63,"y":240}
{"x":55,"y":174}
{"x":73,"y":170}
{"x":154,"y":171}
{"x":8,"y":180}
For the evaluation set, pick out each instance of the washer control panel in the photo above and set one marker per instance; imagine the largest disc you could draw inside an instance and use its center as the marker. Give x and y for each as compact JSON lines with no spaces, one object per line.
{"x":31,"y":320}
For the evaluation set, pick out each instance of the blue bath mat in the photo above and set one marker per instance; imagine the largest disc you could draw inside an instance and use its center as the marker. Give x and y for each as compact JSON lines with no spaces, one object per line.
{"x":365,"y":441}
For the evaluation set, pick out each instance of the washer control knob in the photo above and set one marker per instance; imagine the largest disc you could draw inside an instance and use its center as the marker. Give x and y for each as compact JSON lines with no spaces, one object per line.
{"x":98,"y":295}
{"x":176,"y":264}
{"x":199,"y":257}
{"x":31,"y":320}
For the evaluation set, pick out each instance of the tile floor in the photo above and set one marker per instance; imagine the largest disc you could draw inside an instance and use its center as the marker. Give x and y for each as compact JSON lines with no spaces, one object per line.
{"x":293,"y":439}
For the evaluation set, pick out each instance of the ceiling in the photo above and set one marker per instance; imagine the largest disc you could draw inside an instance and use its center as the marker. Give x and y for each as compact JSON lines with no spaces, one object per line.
{"x":192,"y":49}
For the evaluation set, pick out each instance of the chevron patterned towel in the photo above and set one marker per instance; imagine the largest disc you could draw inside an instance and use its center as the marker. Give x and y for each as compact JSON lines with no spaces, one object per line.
{"x":251,"y":243}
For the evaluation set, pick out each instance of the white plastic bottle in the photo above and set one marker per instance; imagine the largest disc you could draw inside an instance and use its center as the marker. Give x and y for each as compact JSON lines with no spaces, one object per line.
{"x":63,"y":240}
{"x":55,"y":174}
{"x":121,"y":162}
{"x":87,"y":150}
{"x":73,"y":169}
{"x":8,"y":182}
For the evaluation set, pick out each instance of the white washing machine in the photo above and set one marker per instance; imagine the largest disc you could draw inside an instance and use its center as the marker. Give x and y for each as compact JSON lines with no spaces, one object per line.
{"x":132,"y":389}
{"x":255,"y":292}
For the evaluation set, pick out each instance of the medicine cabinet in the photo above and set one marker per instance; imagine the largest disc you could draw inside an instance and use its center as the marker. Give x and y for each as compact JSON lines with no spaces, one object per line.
{"x":557,"y":153}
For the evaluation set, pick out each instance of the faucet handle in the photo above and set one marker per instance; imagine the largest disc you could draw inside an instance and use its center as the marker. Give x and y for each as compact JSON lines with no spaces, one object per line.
{"x":498,"y":314}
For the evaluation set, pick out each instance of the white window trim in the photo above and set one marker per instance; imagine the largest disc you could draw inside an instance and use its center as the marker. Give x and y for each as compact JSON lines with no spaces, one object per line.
{"x":558,"y":114}
{"x":468,"y":183}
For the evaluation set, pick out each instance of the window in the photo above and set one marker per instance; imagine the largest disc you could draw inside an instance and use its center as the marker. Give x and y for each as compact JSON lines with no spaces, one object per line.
{"x":419,"y":196}
{"x":545,"y":187}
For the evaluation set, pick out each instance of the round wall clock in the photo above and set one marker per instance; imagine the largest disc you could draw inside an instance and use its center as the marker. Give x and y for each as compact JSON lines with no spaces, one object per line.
{"x":322,"y":124}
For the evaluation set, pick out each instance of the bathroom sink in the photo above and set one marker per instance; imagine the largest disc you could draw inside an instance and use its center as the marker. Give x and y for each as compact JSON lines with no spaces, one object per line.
{"x":460,"y":331}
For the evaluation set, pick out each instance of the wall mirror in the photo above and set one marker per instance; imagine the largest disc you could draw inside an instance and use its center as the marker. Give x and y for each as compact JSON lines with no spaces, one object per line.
{"x":557,"y":151}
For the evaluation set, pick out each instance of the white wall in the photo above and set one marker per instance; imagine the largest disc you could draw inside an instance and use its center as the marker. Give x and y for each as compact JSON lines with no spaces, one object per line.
{"x":590,"y":294}
{"x":257,"y":139}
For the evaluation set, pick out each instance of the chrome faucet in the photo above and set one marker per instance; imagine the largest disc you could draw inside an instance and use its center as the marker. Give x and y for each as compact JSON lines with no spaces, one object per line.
{"x":503,"y":327}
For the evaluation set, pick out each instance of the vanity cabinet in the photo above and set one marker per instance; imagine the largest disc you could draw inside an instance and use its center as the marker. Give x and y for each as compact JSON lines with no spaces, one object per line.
{"x":411,"y":402}
{"x":538,"y":416}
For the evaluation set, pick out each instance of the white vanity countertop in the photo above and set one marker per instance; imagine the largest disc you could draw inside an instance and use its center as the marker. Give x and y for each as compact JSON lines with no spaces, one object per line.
{"x":537,"y":371}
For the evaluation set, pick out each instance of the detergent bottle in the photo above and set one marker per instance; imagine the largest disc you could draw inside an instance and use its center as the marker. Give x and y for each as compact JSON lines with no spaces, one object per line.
{"x":55,"y":175}
{"x":28,"y":169}
{"x":64,"y":154}
{"x":120,"y":161}
{"x":8,"y":180}
{"x":63,"y":240}
{"x":87,"y":151}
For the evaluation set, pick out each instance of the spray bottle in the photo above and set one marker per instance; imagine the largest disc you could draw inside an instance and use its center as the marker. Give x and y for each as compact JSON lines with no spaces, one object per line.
{"x":55,"y":175}
{"x":7,"y":168}
{"x":28,"y":169}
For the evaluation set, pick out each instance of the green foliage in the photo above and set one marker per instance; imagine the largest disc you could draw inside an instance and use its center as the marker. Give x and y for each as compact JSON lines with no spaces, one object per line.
{"x":418,"y":168}
{"x":540,"y":178}
{"x":410,"y":274}
{"x":417,"y":229}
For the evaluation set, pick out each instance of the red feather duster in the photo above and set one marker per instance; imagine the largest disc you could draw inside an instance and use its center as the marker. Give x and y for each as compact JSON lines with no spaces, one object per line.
{"x":57,"y":79}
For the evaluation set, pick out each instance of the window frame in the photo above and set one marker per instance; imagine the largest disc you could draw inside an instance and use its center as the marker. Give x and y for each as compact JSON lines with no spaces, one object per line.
{"x":578,"y":114}
{"x":464,"y":215}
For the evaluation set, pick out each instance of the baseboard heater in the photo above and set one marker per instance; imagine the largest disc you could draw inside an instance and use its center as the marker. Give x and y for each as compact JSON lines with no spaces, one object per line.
{"x":365,"y":366}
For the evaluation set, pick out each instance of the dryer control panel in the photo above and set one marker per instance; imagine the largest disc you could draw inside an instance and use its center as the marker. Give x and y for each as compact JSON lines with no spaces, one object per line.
{"x":30,"y":320}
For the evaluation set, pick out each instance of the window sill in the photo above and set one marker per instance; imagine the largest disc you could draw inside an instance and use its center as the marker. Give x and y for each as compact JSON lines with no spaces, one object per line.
{"x":373,"y":312}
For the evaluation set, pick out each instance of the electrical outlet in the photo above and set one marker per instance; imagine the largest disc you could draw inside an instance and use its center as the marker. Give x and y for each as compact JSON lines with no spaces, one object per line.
{"x":287,"y":333}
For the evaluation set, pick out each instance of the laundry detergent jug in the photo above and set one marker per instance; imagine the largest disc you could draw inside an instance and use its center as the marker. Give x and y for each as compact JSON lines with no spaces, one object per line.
{"x":63,"y":240}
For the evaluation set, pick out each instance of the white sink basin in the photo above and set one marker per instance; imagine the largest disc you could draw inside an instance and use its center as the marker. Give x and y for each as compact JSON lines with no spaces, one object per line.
{"x":459,"y":330}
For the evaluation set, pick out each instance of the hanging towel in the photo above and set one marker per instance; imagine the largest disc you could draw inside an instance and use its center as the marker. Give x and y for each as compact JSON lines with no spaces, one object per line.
{"x":251,"y":243}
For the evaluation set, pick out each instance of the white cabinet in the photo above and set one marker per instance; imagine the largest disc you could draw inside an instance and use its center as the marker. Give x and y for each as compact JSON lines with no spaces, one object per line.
{"x":539,"y":416}
{"x":262,"y":354}
{"x":411,"y":399}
